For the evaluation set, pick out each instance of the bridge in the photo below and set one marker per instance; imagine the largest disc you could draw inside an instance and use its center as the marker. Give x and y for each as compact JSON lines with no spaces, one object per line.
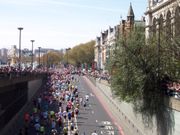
{"x":15,"y":92}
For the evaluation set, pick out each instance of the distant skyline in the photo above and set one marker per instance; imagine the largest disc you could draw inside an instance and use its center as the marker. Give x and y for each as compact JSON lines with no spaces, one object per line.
{"x":61,"y":24}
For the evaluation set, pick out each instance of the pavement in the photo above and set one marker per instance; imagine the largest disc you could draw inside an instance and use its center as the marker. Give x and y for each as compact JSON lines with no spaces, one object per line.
{"x":122,"y":118}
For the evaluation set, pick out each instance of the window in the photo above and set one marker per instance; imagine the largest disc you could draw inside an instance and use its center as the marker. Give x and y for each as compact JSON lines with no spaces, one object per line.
{"x":168,"y":26}
{"x":177,"y":22}
{"x":156,"y":1}
{"x":154,"y":27}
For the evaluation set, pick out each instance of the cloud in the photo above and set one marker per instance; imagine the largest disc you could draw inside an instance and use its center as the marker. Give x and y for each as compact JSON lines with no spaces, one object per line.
{"x":57,"y":3}
{"x":68,"y":4}
{"x":18,"y":2}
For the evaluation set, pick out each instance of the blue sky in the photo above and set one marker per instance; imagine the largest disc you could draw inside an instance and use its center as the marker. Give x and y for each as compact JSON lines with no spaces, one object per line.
{"x":61,"y":23}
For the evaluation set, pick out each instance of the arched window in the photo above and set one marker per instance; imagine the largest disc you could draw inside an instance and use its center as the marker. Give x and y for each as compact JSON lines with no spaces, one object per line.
{"x":161,"y":24}
{"x":154,"y":27}
{"x":157,"y":1}
{"x":168,"y":26}
{"x":177,"y":22}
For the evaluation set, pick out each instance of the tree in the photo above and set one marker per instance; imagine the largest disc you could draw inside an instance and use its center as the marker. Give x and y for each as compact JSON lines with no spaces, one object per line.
{"x":139,"y":76}
{"x":83,"y":53}
{"x":51,"y":58}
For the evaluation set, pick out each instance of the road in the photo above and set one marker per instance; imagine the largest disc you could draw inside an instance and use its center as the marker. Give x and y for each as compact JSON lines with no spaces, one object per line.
{"x":95,"y":115}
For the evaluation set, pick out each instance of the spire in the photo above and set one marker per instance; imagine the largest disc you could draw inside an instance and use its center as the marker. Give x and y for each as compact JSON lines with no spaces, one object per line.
{"x":130,"y":12}
{"x":130,"y":15}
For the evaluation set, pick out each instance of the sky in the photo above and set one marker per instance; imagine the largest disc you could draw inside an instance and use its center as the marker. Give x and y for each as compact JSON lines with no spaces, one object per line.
{"x":61,"y":24}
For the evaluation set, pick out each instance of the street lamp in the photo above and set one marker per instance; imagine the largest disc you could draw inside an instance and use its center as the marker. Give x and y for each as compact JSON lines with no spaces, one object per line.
{"x":67,"y":53}
{"x":47,"y":59}
{"x":20,"y":28}
{"x":43,"y":59}
{"x":39,"y":55}
{"x":32,"y":54}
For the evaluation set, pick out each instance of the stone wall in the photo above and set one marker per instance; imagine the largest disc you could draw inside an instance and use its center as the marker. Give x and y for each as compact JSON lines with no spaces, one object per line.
{"x":15,"y":123}
{"x":134,"y":121}
{"x":33,"y":86}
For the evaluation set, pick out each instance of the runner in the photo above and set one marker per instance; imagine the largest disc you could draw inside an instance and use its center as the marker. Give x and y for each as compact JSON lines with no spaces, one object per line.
{"x":54,"y":132}
{"x":58,"y":100}
{"x":65,"y":131}
{"x":42,"y":130}
{"x":76,"y":131}
{"x":26,"y":118}
{"x":87,"y":97}
{"x":37,"y":127}
{"x":94,"y":133}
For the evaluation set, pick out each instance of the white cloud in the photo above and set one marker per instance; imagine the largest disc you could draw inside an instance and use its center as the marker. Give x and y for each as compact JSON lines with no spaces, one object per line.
{"x":68,"y":4}
{"x":57,"y":3}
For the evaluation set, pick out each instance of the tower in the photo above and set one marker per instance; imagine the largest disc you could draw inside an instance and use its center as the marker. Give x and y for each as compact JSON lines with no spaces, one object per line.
{"x":130,"y":20}
{"x":130,"y":15}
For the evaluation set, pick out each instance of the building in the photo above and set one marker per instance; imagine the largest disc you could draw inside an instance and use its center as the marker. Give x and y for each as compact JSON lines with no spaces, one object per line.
{"x":103,"y":47}
{"x":163,"y":15}
{"x":3,"y":56}
{"x":105,"y":43}
{"x":13,"y":55}
{"x":43,"y":51}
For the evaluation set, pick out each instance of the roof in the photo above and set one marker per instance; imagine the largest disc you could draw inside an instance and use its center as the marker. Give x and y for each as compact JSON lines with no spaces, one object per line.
{"x":139,"y":23}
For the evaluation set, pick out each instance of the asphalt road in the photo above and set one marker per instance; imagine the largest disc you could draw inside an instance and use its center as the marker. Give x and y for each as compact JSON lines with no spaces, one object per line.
{"x":94,"y":116}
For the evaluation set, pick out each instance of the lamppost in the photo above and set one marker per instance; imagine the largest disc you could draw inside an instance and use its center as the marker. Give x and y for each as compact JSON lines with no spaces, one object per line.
{"x":20,"y":28}
{"x":67,"y":53}
{"x":43,"y":60}
{"x":39,"y":55}
{"x":46,"y":59}
{"x":32,"y":54}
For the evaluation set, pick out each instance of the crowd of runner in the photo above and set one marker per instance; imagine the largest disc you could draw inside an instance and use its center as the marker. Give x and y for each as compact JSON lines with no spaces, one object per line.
{"x":13,"y":72}
{"x":56,"y":108}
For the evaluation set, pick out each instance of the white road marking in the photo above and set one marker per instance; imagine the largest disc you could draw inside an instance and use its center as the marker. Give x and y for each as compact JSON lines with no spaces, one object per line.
{"x":109,"y":127}
{"x":92,"y":112}
{"x":96,"y":121}
{"x":110,"y":132}
{"x":106,"y":122}
{"x":91,"y":94}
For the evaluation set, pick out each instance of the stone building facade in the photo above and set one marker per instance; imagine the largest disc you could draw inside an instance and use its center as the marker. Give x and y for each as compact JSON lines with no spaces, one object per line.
{"x":3,"y":56}
{"x":103,"y":47}
{"x":163,"y":16}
